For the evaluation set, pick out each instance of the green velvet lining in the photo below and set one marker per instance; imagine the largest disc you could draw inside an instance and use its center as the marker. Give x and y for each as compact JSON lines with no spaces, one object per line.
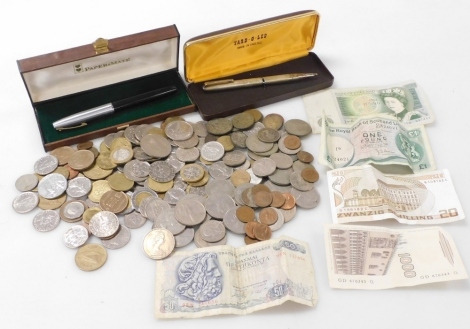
{"x":50,"y":111}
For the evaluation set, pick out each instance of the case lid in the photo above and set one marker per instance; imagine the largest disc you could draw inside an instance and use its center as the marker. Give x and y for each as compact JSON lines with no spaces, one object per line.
{"x":87,"y":67}
{"x":251,"y":46}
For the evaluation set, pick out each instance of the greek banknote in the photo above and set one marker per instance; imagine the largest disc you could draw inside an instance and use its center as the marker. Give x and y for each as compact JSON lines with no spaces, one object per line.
{"x":363,"y":193}
{"x":368,"y":257}
{"x":227,"y":280}
{"x":405,"y":102}
{"x":380,"y":140}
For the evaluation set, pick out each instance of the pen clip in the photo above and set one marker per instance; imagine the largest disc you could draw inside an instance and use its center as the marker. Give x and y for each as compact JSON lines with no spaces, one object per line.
{"x":83,"y":124}
{"x":217,"y":82}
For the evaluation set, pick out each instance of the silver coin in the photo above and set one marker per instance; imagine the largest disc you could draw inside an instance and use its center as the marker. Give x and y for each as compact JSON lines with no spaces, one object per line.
{"x":155,"y":207}
{"x":219,"y":170}
{"x":161,"y":172}
{"x":189,"y":143}
{"x":197,"y":197}
{"x":234,"y":158}
{"x":136,"y":170}
{"x":284,"y":149}
{"x":298,"y":127}
{"x":175,"y":162}
{"x":255,"y":145}
{"x":140,"y":194}
{"x":72,"y":210}
{"x":201,"y":243}
{"x":143,"y":204}
{"x":139,"y":154}
{"x":26,"y":182}
{"x":155,"y":146}
{"x":238,"y":138}
{"x":281,"y":176}
{"x":121,"y":239}
{"x":185,"y":237}
{"x":104,"y":224}
{"x":46,"y":220}
{"x":25,"y":202}
{"x":268,"y":135}
{"x":179,"y":130}
{"x":232,"y":222}
{"x":263,"y":167}
{"x":279,"y":188}
{"x":283,"y":161}
{"x":219,"y":126}
{"x":134,"y":220}
{"x":244,"y":166}
{"x":254,"y":156}
{"x":173,"y":195}
{"x":289,"y":214}
{"x":190,"y":212}
{"x":78,"y":187}
{"x":129,"y":133}
{"x":179,"y":183}
{"x":220,"y":186}
{"x":167,"y":220}
{"x":273,"y":150}
{"x":196,"y":190}
{"x":238,"y":193}
{"x":254,"y":129}
{"x":52,"y":186}
{"x":309,"y":199}
{"x":75,"y":236}
{"x":218,"y":205}
{"x":108,"y":139}
{"x":187,"y":154}
{"x":139,"y":131}
{"x":299,"y":165}
{"x":299,"y":183}
{"x":212,"y":231}
{"x":212,"y":151}
{"x":280,"y":220}
{"x":200,"y":128}
{"x":254,"y":179}
{"x":46,"y":165}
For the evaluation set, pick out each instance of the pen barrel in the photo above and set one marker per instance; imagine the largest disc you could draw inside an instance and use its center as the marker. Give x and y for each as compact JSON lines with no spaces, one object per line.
{"x":84,"y":116}
{"x":142,"y":98}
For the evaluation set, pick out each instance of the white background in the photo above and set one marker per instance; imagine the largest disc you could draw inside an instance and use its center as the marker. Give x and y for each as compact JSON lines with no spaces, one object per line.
{"x":363,"y":43}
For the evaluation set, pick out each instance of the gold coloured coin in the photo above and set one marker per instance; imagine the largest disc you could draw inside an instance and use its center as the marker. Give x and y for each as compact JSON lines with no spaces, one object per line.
{"x":103,"y":147}
{"x":240,"y":177}
{"x":96,"y":172}
{"x":85,"y":145}
{"x":81,"y":160}
{"x":119,"y":182}
{"x":243,"y":120}
{"x":63,"y":154}
{"x":90,"y":212}
{"x":202,"y":182}
{"x":220,"y":126}
{"x":98,"y":188}
{"x":192,"y":173}
{"x":120,"y":142}
{"x":63,"y":171}
{"x":91,"y":257}
{"x":226,"y":143}
{"x":114,"y":201}
{"x":257,"y":115}
{"x":155,"y":131}
{"x":104,"y":161}
{"x":159,"y":187}
{"x":50,"y":204}
{"x":274,"y":121}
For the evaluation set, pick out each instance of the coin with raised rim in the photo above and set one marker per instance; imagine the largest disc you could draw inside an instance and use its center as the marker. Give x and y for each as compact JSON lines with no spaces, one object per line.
{"x":158,"y":243}
{"x":91,"y":257}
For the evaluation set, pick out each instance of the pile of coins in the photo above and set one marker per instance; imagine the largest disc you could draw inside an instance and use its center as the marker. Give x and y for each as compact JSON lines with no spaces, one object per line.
{"x":193,"y":181}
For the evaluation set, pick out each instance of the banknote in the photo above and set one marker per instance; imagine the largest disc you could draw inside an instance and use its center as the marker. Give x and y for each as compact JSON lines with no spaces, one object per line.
{"x":380,"y":140}
{"x":405,"y":102}
{"x":368,"y":257}
{"x":227,"y":280}
{"x":363,"y":193}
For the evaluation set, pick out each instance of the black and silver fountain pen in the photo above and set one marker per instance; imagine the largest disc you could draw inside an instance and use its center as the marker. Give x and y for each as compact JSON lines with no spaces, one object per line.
{"x":81,"y":118}
{"x":243,"y":83}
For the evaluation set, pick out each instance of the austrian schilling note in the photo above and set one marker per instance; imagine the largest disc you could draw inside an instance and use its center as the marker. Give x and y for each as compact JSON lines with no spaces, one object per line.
{"x":404,"y":102}
{"x":227,"y":280}
{"x":368,"y":257}
{"x":379,"y":140}
{"x":363,"y":193}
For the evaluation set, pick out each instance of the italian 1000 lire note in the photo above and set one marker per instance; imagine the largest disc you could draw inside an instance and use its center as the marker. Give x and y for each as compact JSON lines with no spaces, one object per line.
{"x":369,"y":257}
{"x":363,"y":193}
{"x":405,"y":102}
{"x":227,"y":280}
{"x":378,"y":140}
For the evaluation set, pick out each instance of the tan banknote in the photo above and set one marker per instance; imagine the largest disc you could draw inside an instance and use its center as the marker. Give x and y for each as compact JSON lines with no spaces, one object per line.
{"x":377,"y":139}
{"x":363,"y":193}
{"x":369,"y":257}
{"x":405,"y":102}
{"x":227,"y":280}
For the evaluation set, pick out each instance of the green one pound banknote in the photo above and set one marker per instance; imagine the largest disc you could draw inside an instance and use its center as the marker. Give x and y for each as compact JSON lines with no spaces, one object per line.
{"x":379,"y":140}
{"x":227,"y":280}
{"x":405,"y":102}
{"x":363,"y":193}
{"x":368,"y":257}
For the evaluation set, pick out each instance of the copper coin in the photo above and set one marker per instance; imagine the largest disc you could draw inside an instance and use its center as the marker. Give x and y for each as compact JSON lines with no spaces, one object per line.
{"x":292,"y":142}
{"x":240,"y":177}
{"x":260,"y":187}
{"x":290,"y":201}
{"x":249,"y":240}
{"x":263,"y":198}
{"x":278,"y":199}
{"x":85,"y":145}
{"x":305,"y":156}
{"x":262,"y":232}
{"x":274,"y":121}
{"x":249,"y":229}
{"x":245,"y":214}
{"x":81,"y":160}
{"x":268,"y":216}
{"x":257,"y":115}
{"x":310,"y":175}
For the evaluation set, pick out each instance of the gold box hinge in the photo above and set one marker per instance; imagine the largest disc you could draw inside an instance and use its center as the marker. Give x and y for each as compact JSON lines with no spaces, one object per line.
{"x":101,"y":46}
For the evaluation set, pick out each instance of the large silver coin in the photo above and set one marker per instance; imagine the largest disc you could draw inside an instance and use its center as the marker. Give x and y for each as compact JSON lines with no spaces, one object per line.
{"x":75,"y":236}
{"x":309,"y":199}
{"x":167,"y":220}
{"x":232,"y":222}
{"x":212,"y":231}
{"x":212,"y":151}
{"x":187,"y":154}
{"x":255,"y":145}
{"x":158,"y":243}
{"x":155,"y":145}
{"x":193,"y":141}
{"x":46,"y":220}
{"x":155,"y":207}
{"x":134,"y":220}
{"x":219,"y":170}
{"x":297,"y":127}
{"x":104,"y":224}
{"x":26,"y":182}
{"x":176,"y":163}
{"x":281,"y":176}
{"x":190,"y":212}
{"x":52,"y":186}
{"x":25,"y":202}
{"x":46,"y":165}
{"x":185,"y":237}
{"x":283,"y":161}
{"x":234,"y":158}
{"x":280,"y":220}
{"x":78,"y":187}
{"x":289,"y":214}
{"x":263,"y":167}
{"x":121,"y":239}
{"x":220,"y":186}
{"x":299,"y":183}
{"x":179,"y":130}
{"x":201,"y":243}
{"x":218,"y":205}
{"x":173,"y":195}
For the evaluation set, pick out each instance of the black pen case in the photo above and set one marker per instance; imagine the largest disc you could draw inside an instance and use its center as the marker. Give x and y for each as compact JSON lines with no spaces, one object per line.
{"x":72,"y":80}
{"x":273,"y":46}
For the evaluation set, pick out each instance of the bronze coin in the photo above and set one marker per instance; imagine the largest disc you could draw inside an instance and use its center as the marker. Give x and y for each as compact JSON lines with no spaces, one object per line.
{"x":263,"y":198}
{"x":249,"y":240}
{"x":257,"y":115}
{"x":268,"y":216}
{"x":72,"y":172}
{"x":310,"y":175}
{"x":292,"y":142}
{"x":274,"y":121}
{"x":305,"y":156}
{"x":245,"y":214}
{"x":85,"y":145}
{"x":114,"y":201}
{"x":278,"y":199}
{"x":290,"y":201}
{"x":260,"y":187}
{"x":249,"y":229}
{"x":243,"y":120}
{"x":240,"y":177}
{"x":262,"y":232}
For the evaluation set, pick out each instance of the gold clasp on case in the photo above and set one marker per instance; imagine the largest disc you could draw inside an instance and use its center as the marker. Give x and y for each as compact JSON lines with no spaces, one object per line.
{"x":101,"y":46}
